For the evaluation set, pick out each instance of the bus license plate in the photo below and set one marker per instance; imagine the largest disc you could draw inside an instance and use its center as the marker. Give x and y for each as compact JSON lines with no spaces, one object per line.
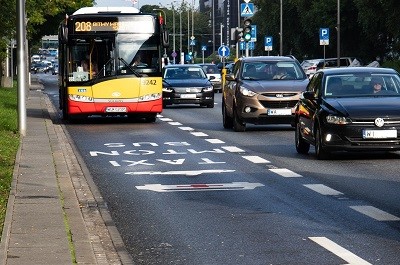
{"x":116,"y":109}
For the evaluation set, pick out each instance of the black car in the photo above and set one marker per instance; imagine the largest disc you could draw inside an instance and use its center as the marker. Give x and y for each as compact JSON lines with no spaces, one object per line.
{"x":187,"y":84}
{"x":349,"y":109}
{"x":39,"y":67}
{"x":262,"y":90}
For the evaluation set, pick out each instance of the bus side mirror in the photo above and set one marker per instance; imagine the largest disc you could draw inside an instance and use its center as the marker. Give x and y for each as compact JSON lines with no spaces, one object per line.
{"x":165,"y":38}
{"x":63,"y":34}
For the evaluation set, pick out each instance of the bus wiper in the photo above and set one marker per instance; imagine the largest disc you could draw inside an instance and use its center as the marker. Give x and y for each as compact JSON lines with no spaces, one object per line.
{"x":103,"y":69}
{"x":129,"y":66}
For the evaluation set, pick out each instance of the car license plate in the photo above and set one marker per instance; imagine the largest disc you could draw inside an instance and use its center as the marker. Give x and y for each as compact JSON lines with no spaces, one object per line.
{"x":116,"y":109}
{"x":188,"y":96}
{"x":379,"y":134}
{"x":280,"y":112}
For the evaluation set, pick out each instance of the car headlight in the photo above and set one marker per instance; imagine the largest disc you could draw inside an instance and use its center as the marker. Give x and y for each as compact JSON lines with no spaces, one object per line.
{"x":337,"y":119}
{"x":247,"y":92}
{"x":208,"y":89}
{"x":167,"y":89}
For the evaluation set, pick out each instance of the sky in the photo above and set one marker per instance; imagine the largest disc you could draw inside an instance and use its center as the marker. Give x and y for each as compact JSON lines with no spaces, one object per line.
{"x":127,"y":2}
{"x":139,"y":3}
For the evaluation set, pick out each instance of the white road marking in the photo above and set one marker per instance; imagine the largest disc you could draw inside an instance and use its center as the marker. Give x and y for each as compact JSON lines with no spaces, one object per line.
{"x":322,"y":189}
{"x":186,"y":128}
{"x":183,"y":172}
{"x":200,"y":187}
{"x":339,"y":251}
{"x":285,"y":173}
{"x":200,"y":134}
{"x":233,"y":149}
{"x":256,"y":159}
{"x":215,"y":141}
{"x":175,"y":123}
{"x":375,"y":213}
{"x":165,"y":119}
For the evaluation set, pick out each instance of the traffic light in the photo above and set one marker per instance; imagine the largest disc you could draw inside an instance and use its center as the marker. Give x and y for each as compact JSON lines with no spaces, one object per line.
{"x":247,"y":30}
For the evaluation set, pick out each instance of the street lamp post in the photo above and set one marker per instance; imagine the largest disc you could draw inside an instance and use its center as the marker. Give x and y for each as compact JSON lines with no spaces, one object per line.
{"x":281,"y":32}
{"x":338,"y":33}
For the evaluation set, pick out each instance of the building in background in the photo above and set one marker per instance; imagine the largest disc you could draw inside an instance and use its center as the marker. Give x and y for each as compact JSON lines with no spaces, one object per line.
{"x":224,"y":16}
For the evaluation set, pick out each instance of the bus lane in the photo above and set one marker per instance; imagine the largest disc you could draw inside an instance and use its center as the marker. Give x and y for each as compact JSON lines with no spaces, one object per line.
{"x":200,"y":163}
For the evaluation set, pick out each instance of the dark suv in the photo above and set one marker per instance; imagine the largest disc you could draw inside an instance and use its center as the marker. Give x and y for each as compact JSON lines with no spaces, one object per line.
{"x":262,"y":90}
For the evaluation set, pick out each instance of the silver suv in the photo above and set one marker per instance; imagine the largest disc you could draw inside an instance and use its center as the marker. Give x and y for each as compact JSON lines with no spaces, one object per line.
{"x":262,"y":90}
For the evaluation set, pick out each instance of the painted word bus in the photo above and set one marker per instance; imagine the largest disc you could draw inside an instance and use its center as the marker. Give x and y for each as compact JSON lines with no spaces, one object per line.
{"x":110,"y":62}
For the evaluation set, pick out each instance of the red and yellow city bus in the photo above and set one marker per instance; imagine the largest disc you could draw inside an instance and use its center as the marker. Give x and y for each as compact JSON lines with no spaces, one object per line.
{"x":98,"y":47}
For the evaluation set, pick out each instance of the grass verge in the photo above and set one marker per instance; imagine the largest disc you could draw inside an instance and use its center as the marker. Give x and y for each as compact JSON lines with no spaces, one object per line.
{"x":9,"y":143}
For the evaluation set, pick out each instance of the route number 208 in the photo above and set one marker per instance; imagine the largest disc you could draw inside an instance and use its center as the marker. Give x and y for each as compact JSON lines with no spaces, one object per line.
{"x":83,"y":26}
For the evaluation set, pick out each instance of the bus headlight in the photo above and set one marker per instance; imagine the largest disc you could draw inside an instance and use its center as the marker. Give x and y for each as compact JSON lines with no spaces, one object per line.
{"x":80,"y":98}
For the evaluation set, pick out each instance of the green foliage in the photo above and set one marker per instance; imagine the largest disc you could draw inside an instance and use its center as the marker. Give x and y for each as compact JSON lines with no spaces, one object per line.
{"x":9,"y":142}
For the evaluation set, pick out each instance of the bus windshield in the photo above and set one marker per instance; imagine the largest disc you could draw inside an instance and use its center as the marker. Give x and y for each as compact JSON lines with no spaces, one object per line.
{"x":105,"y":46}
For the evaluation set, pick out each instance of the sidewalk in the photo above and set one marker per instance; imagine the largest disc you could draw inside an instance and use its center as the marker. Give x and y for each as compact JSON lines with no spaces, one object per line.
{"x":55,"y":214}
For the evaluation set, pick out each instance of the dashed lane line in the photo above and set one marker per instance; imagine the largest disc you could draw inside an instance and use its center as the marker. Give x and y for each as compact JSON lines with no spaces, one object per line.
{"x":322,"y":189}
{"x":285,"y":173}
{"x":175,"y":123}
{"x":199,"y":134}
{"x":375,"y":213}
{"x":233,"y":149}
{"x":339,"y":251}
{"x":215,"y":141}
{"x":256,"y":159}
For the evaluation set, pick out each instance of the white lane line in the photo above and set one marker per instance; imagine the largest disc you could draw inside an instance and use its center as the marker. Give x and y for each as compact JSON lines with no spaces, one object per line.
{"x":159,"y":116}
{"x":322,"y":189}
{"x":375,"y":213}
{"x":339,"y":251}
{"x":256,"y":159}
{"x":183,"y":172}
{"x":215,"y":141}
{"x":285,"y":173}
{"x":200,"y":134}
{"x":165,"y":119}
{"x":186,"y":128}
{"x":233,"y":149}
{"x":175,"y":123}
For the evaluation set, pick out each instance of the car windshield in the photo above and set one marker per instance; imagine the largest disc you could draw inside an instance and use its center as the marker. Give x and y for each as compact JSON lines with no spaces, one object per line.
{"x":354,"y":85}
{"x":210,"y":69}
{"x":272,"y":71}
{"x":184,"y":73}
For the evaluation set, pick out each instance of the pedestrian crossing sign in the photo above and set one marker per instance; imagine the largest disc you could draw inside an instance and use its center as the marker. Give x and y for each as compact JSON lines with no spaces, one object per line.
{"x":247,"y":9}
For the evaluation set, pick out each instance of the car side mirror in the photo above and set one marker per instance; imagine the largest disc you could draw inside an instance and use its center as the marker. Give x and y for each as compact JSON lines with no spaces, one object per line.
{"x":212,"y":77}
{"x":309,"y":95}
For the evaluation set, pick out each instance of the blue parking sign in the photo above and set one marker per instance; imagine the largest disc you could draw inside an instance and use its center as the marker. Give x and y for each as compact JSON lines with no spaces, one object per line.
{"x":324,"y":36}
{"x":268,"y":43}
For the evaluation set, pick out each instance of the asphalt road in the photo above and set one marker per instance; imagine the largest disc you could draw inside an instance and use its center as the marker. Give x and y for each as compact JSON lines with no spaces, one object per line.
{"x":184,"y":190}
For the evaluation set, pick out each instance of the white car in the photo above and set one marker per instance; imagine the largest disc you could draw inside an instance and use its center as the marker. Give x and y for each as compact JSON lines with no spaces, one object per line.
{"x":212,"y":70}
{"x":35,"y":58}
